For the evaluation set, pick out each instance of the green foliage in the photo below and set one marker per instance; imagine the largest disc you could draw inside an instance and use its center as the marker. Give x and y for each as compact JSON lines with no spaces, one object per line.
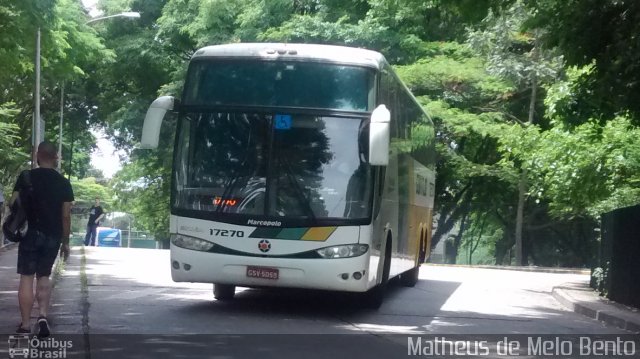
{"x":511,"y":52}
{"x":19,"y":21}
{"x":86,"y":190}
{"x":143,"y":188}
{"x":306,"y":28}
{"x":570,"y":101}
{"x":458,"y":79}
{"x":213,"y":22}
{"x":68,"y":49}
{"x":597,"y":32}
{"x":479,"y":241}
{"x":589,"y":170}
{"x":11,"y":159}
{"x":469,"y":108}
{"x":583,"y":171}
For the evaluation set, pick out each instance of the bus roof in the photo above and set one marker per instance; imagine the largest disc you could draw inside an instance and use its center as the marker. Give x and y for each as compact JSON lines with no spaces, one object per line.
{"x":321,"y":53}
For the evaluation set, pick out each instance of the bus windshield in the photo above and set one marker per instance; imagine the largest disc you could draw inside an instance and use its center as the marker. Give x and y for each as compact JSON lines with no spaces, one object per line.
{"x":246,"y":165}
{"x":279,"y":84}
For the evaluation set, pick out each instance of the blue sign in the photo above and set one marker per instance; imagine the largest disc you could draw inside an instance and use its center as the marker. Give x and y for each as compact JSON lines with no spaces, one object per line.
{"x":283,"y":122}
{"x":109,"y":237}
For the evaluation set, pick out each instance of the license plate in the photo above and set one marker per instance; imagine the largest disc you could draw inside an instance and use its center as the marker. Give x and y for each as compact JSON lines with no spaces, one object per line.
{"x":263,"y":272}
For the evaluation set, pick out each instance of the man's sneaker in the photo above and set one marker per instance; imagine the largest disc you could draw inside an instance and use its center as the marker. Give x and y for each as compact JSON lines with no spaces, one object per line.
{"x":44,"y":327}
{"x":21,"y":330}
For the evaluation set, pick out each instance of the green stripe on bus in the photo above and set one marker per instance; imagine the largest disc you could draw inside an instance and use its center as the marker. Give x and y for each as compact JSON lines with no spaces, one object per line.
{"x":292,"y":233}
{"x":265,"y":232}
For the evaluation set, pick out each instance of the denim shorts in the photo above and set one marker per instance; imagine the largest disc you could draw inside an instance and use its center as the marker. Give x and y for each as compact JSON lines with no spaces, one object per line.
{"x":36,"y":253}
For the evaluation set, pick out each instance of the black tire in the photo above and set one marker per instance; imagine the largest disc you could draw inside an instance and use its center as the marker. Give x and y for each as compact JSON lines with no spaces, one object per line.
{"x":224,"y":291}
{"x":410,"y":278}
{"x":422,"y":256}
{"x":375,"y":296}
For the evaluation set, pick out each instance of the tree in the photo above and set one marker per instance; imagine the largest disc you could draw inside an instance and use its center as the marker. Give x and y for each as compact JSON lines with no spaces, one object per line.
{"x":67,"y":51}
{"x":516,"y":56}
{"x":87,"y":189}
{"x":148,"y":63}
{"x":143,"y":189}
{"x":481,"y":95}
{"x":466,"y":104}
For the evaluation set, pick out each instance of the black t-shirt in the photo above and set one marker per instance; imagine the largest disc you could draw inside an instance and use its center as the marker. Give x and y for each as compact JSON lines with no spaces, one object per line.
{"x":94,"y":213}
{"x":51,"y":190}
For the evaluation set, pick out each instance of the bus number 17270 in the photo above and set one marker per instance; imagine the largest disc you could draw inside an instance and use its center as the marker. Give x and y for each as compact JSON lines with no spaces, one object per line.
{"x":225,"y":233}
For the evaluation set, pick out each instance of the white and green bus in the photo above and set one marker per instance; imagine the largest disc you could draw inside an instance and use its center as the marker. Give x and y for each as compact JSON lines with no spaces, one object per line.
{"x":300,"y":166}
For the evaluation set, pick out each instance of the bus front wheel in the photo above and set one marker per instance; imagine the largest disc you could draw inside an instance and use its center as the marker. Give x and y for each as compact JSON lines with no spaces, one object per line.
{"x":224,"y":291}
{"x":375,"y":296}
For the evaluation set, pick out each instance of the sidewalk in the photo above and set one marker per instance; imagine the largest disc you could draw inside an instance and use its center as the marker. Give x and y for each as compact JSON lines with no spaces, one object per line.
{"x":517,"y":268}
{"x":579,"y":297}
{"x":9,"y":280}
{"x":582,"y":299}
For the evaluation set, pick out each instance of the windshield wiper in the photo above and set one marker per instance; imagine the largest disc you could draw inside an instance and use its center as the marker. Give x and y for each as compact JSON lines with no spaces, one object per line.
{"x":227,"y":192}
{"x":306,"y":204}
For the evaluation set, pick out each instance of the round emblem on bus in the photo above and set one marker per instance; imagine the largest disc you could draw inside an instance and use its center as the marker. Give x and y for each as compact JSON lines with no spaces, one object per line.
{"x":264,"y":246}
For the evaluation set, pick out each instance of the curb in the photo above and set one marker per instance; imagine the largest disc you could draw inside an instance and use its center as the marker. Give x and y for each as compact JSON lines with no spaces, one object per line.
{"x":58,"y":268}
{"x":610,"y":317}
{"x":518,"y":268}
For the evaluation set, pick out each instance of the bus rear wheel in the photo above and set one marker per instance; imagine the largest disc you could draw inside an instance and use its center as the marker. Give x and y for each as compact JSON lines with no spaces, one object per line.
{"x":410,"y":278}
{"x":422,"y":257}
{"x":224,"y":291}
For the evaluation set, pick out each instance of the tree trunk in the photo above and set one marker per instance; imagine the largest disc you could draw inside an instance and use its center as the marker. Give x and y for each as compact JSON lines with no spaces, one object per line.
{"x":522,"y":183}
{"x":472,"y":246}
{"x":532,"y":102}
{"x":458,"y":239}
{"x":522,"y":189}
{"x":446,"y":222}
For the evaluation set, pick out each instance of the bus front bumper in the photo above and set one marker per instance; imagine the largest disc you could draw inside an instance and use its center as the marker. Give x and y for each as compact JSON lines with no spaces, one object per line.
{"x":343,"y":274}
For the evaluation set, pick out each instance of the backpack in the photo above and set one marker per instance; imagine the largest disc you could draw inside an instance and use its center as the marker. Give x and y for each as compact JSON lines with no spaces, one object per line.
{"x":15,"y":224}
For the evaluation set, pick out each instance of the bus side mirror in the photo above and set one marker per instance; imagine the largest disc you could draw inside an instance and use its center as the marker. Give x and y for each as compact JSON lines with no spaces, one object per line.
{"x":379,"y":134}
{"x":153,"y":121}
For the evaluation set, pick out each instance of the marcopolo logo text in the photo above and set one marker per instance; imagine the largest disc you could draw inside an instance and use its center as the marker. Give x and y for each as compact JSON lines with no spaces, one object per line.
{"x":253,"y":222}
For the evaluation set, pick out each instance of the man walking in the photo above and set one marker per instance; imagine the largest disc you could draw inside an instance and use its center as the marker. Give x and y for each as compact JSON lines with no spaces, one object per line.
{"x":95,"y":215}
{"x":49,"y":217}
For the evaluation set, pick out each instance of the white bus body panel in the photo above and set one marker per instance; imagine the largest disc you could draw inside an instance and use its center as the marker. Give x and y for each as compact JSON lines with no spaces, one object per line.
{"x":322,"y":274}
{"x":313,"y":273}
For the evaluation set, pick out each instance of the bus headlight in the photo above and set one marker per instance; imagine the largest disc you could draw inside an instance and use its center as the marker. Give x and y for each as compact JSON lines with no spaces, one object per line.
{"x":187,"y":242}
{"x":343,"y":251}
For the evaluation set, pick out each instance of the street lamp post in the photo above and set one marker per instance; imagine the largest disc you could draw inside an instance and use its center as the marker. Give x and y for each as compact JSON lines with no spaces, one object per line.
{"x":60,"y":135}
{"x":35,"y":136}
{"x":128,"y":14}
{"x":129,"y":236}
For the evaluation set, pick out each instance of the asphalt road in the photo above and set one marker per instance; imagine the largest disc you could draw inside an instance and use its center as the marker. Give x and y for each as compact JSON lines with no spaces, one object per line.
{"x":123,"y":303}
